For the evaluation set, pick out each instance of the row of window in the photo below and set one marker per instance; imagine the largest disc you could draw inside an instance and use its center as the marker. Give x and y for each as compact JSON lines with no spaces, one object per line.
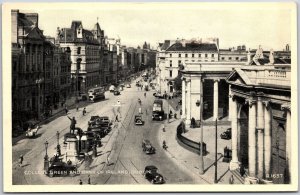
{"x":194,"y":55}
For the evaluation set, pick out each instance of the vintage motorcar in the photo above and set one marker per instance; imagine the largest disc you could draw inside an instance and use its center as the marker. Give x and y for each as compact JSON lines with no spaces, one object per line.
{"x":117,"y":92}
{"x":94,"y":120}
{"x":138,"y":120}
{"x":147,"y":147}
{"x":32,"y":131}
{"x":157,"y":116}
{"x":112,"y":88}
{"x":226,"y":134}
{"x":105,"y":122}
{"x":158,"y":95}
{"x":151,"y":174}
{"x":61,"y":169}
{"x":128,"y":86}
{"x":180,"y":102}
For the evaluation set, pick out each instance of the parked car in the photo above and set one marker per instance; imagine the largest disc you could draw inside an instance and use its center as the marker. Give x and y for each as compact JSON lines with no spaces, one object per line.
{"x":180,"y":102}
{"x":226,"y":134}
{"x":138,"y":120}
{"x":147,"y":147}
{"x":61,"y":169}
{"x":151,"y":174}
{"x":116,"y":92}
{"x":112,"y":88}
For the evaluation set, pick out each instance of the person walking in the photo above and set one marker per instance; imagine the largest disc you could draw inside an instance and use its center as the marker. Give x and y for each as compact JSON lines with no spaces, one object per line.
{"x":107,"y":160}
{"x":231,"y":180}
{"x":84,"y":111}
{"x":89,"y":179}
{"x":80,"y":182}
{"x":72,"y":125}
{"x":77,"y":107}
{"x":66,"y":110}
{"x":145,"y":94}
{"x":117,"y":118}
{"x":21,"y":160}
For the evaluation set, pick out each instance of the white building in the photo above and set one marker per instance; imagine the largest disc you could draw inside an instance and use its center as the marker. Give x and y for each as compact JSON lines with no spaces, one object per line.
{"x":171,"y":54}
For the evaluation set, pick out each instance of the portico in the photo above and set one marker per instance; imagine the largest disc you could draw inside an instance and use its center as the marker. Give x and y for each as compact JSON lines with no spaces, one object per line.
{"x":260,"y":121}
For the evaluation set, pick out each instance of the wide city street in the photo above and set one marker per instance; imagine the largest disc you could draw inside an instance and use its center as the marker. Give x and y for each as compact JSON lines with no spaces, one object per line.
{"x":120,"y":160}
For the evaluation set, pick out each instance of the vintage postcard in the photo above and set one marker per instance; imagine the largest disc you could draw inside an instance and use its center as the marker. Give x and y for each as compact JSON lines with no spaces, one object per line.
{"x":147,"y":97}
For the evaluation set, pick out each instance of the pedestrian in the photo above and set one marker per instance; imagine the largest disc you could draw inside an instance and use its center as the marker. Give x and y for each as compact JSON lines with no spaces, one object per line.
{"x":145,"y":94}
{"x":242,"y":170}
{"x":66,"y":110}
{"x":89,"y":179}
{"x":72,"y":125}
{"x":77,"y":108}
{"x":231,"y":180}
{"x":107,"y":160}
{"x":84,"y":111}
{"x":80,"y":182}
{"x":117,"y":118}
{"x":21,"y":160}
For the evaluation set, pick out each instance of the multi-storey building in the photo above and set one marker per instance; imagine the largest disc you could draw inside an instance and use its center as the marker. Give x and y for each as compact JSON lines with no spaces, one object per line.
{"x":259,"y":108}
{"x":85,"y":46}
{"x":28,"y":60}
{"x":174,"y":53}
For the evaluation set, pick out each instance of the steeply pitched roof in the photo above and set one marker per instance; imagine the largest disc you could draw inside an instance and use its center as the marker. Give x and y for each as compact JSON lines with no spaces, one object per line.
{"x":165,"y":45}
{"x":193,"y":47}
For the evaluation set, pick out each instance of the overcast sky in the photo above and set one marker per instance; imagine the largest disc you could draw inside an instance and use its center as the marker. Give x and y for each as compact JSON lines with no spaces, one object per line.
{"x":270,"y":28}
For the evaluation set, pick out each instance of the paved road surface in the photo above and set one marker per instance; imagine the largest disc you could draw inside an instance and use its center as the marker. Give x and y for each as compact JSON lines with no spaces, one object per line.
{"x":126,"y":158}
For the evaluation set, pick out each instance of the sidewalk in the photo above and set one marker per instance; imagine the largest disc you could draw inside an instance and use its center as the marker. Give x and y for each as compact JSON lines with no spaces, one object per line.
{"x":190,"y":160}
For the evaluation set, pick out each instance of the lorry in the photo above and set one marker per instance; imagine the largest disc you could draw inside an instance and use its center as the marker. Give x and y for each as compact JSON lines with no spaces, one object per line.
{"x":158,"y":112}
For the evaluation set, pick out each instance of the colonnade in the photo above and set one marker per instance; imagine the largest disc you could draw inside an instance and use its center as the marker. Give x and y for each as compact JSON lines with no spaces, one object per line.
{"x":259,"y":136}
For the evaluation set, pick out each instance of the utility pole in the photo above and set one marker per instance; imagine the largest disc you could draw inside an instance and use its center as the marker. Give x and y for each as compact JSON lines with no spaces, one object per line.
{"x":216,"y":154}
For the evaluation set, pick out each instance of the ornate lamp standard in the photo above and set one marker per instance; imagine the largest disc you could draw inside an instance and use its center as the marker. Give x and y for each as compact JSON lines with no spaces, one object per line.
{"x":46,"y":159}
{"x":201,"y":165}
{"x":58,"y":146}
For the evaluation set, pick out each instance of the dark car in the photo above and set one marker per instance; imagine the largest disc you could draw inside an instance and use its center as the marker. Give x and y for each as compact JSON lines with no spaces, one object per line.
{"x":147,"y":147}
{"x":226,"y":134}
{"x":157,"y":116}
{"x":138,"y":120}
{"x":61,"y":169}
{"x":151,"y":174}
{"x":180,"y":102}
{"x":116,"y":92}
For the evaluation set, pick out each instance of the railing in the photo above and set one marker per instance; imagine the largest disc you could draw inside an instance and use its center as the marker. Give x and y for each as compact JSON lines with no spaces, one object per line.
{"x":189,"y":144}
{"x":270,"y":77}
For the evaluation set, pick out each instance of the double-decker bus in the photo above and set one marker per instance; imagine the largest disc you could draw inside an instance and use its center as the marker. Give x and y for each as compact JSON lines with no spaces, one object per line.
{"x":158,"y":112}
{"x":96,"y":94}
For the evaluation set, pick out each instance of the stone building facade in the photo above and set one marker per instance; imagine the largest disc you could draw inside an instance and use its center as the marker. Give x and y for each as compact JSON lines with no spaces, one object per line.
{"x":260,"y":107}
{"x":85,"y":46}
{"x":172,"y":54}
{"x":28,"y":59}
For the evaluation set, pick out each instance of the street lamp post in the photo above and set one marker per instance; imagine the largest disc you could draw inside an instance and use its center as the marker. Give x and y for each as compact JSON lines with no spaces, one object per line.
{"x":58,"y":146}
{"x":201,"y":164}
{"x":38,"y":82}
{"x":46,"y":159}
{"x":216,"y":155}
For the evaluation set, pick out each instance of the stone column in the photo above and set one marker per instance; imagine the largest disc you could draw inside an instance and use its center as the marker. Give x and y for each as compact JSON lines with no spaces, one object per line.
{"x":230,"y":103}
{"x":234,"y":163}
{"x":267,"y":139}
{"x":288,"y":142}
{"x":183,"y":99}
{"x":260,"y":139}
{"x":188,"y":103}
{"x":252,"y":138}
{"x":216,"y":98}
{"x":30,"y":57}
{"x":287,"y":108}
